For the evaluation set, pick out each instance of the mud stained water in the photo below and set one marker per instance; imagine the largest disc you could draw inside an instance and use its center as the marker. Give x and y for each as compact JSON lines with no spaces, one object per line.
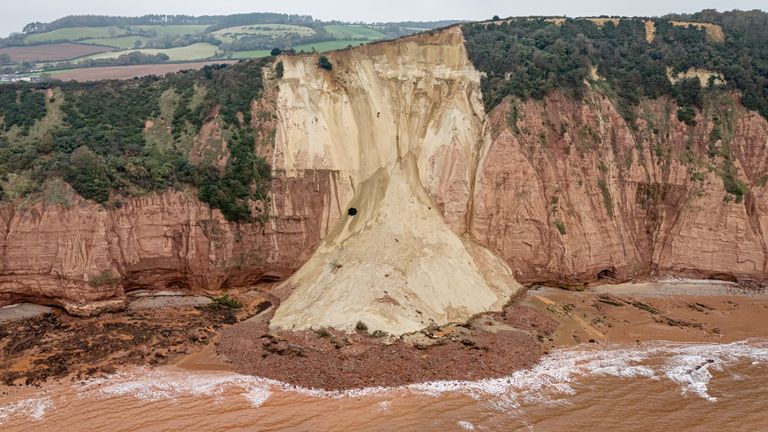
{"x":655,"y":386}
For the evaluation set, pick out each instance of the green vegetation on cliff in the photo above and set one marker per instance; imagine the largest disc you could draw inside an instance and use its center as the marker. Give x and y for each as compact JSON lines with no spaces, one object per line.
{"x":127,"y":138}
{"x":529,"y":57}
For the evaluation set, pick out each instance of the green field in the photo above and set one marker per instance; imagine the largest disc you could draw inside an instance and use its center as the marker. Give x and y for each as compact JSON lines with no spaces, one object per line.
{"x":353,"y":32}
{"x":170,"y":30}
{"x":75,"y":33}
{"x":245,"y":55}
{"x":122,"y":42}
{"x":92,"y":34}
{"x":329,"y":46}
{"x":273,"y":30}
{"x":318,"y":46}
{"x":198,"y":51}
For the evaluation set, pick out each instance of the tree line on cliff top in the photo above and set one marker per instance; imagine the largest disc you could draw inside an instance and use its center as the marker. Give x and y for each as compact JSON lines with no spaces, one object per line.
{"x":96,"y":139}
{"x":529,"y":57}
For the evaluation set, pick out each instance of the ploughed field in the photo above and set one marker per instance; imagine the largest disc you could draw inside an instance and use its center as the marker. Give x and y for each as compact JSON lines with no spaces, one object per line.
{"x":128,"y":72}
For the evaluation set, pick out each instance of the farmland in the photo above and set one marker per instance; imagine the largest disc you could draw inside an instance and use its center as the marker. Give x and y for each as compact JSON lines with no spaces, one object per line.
{"x":121,"y":42}
{"x":101,"y":41}
{"x":126,"y":72}
{"x":244,"y":55}
{"x":74,"y":34}
{"x":52,"y":52}
{"x":354,"y":32}
{"x":169,"y":30}
{"x":328,"y":46}
{"x":318,"y":47}
{"x":198,"y":51}
{"x":272,"y":30}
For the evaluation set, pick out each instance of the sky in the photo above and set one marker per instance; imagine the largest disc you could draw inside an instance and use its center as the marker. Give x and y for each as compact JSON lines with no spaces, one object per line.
{"x":14,"y":14}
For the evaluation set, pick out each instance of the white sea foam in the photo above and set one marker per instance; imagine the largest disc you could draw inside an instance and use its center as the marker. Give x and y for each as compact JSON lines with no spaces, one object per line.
{"x":33,"y":408}
{"x":384,"y":406}
{"x":466,"y":425}
{"x":154,"y":385}
{"x":688,"y":365}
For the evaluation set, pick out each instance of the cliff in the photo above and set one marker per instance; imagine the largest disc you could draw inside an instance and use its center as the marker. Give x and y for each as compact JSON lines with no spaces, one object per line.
{"x":453,"y":206}
{"x":568,"y":193}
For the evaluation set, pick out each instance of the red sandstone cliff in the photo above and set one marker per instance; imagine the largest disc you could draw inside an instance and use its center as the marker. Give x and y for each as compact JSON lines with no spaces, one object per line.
{"x":563,"y":191}
{"x":627,"y":202}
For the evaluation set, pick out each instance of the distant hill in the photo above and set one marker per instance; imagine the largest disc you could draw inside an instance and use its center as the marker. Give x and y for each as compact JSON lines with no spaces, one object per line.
{"x":180,"y":38}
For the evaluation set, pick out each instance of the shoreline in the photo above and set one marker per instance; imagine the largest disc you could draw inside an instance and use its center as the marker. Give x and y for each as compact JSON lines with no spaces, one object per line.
{"x":206,"y":338}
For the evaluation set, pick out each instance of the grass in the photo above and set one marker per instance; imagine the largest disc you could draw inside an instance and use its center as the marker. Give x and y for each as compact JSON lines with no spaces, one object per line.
{"x":75,"y":33}
{"x":111,"y":32}
{"x":171,"y":30}
{"x":228,"y":301}
{"x":318,"y":46}
{"x":198,"y":51}
{"x":245,"y":55}
{"x":122,"y":42}
{"x":328,"y":46}
{"x":354,"y":32}
{"x":231,"y":34}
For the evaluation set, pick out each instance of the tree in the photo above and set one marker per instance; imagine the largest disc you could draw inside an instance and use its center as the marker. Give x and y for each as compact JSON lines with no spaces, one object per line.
{"x":5,"y":59}
{"x":325,"y":63}
{"x":87,"y":174}
{"x":496,"y":18}
{"x":276,"y":52}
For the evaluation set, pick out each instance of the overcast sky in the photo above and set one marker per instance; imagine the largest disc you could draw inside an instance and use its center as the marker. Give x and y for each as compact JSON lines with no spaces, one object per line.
{"x":14,"y":14}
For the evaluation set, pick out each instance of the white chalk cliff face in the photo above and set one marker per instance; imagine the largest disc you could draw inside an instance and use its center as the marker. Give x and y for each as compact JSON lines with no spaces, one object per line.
{"x":401,"y":122}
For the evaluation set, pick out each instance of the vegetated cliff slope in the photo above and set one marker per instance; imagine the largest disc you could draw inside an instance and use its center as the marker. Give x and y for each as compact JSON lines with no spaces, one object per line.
{"x":579,"y":181}
{"x":621,"y":147}
{"x":159,"y":153}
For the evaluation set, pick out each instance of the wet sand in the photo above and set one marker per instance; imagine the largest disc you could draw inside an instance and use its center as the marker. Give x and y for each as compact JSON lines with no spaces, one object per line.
{"x":674,"y":310}
{"x":193,"y":332}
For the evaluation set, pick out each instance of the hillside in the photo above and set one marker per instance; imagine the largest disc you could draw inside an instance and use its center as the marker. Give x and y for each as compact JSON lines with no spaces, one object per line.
{"x":87,"y":41}
{"x":529,"y":150}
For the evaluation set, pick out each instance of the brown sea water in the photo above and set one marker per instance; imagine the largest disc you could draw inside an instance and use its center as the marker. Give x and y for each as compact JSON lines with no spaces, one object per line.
{"x":654,"y":386}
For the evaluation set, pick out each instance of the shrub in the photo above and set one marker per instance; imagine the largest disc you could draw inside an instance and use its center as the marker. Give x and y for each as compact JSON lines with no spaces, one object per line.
{"x":276,"y":52}
{"x":560,"y":227}
{"x":324,"y":63}
{"x":607,"y":200}
{"x":360,"y":326}
{"x":733,"y":185}
{"x":228,"y":301}
{"x":687,"y":115}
